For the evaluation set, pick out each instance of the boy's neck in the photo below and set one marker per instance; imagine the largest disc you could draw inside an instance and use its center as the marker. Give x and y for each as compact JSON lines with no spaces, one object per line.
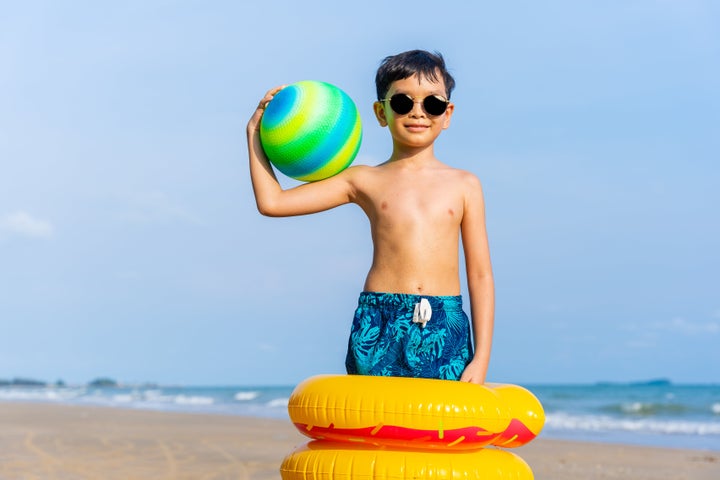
{"x":413,"y":156}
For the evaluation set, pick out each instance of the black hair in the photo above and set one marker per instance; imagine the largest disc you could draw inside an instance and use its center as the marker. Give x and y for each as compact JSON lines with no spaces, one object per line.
{"x":407,"y":64}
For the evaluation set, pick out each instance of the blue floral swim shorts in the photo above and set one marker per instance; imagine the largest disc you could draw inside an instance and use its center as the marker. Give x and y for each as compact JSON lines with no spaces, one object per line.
{"x":404,"y":335}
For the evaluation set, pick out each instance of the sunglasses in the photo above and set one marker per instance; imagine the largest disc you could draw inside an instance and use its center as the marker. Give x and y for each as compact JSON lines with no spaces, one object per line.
{"x":402,"y":104}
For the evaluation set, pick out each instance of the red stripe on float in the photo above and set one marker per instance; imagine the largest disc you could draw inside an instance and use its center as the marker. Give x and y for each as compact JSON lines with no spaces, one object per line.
{"x":390,"y":435}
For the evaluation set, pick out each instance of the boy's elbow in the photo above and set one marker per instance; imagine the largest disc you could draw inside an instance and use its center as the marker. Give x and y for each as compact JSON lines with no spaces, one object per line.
{"x":266,"y":210}
{"x":269,"y":209}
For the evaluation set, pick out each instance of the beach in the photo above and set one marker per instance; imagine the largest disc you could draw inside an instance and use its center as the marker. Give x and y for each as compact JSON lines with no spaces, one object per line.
{"x":51,"y":441}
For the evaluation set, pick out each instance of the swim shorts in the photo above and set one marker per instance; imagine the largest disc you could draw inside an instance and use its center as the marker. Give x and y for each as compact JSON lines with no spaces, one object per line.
{"x":405,"y":335}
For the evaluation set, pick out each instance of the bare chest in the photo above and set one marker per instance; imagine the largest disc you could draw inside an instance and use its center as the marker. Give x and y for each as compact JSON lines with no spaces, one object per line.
{"x":409,"y":207}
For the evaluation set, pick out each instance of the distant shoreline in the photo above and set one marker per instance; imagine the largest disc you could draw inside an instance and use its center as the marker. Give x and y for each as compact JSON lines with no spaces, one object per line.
{"x":101,"y":382}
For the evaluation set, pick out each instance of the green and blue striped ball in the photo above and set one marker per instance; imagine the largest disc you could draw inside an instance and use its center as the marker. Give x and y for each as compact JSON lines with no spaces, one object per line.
{"x":311,"y":130}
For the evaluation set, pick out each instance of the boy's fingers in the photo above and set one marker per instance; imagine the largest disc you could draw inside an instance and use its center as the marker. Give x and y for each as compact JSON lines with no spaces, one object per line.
{"x":269,"y":96}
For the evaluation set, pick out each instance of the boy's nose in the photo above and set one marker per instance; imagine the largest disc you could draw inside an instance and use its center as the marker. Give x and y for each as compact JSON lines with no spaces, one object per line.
{"x":417,"y":109}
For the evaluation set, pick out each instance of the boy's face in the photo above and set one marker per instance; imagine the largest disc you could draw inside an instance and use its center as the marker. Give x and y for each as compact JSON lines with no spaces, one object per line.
{"x":416,"y":128}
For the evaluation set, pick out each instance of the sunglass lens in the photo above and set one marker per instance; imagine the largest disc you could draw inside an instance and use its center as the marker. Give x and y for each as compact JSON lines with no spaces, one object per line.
{"x":401,"y":104}
{"x":434,"y":105}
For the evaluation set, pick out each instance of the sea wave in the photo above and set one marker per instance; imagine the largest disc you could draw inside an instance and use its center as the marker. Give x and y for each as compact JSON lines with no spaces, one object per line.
{"x":648,"y":408}
{"x":278,"y":402}
{"x":41,"y":394}
{"x":193,"y":400}
{"x":595,"y":423}
{"x":246,"y":396}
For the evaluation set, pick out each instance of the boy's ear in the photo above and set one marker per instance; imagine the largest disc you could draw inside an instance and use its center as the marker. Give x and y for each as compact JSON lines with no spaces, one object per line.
{"x":379,"y":109}
{"x":448,"y":114}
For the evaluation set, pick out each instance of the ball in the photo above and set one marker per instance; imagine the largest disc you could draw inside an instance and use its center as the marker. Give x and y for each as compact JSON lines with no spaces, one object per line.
{"x":311,"y":130}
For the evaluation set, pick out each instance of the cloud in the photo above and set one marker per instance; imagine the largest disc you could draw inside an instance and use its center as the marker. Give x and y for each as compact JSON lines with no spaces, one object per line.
{"x":651,"y":334}
{"x":266,"y":347}
{"x":25,"y":225}
{"x":647,"y":341}
{"x":157,"y":207}
{"x":684,"y":326}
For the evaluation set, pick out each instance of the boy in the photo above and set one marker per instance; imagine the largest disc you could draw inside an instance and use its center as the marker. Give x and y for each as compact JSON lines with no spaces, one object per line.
{"x":409,"y":320}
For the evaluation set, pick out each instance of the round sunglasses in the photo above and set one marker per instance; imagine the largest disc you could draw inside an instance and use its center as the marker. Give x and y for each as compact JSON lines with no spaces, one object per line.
{"x":402,"y":104}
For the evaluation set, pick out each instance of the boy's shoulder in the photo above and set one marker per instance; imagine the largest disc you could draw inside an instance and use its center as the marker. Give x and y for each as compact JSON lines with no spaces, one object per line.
{"x":462,"y":183}
{"x":458,"y":176}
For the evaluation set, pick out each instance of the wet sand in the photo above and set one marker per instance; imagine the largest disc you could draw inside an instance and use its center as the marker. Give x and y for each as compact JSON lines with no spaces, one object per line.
{"x":61,"y":442}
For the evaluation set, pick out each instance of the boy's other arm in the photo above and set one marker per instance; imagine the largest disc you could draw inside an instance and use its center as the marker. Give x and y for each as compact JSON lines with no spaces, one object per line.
{"x":270,"y":198}
{"x":480,"y":280}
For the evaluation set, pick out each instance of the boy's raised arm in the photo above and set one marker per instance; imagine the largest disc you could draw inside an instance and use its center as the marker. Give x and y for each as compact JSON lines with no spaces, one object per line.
{"x":307,"y":198}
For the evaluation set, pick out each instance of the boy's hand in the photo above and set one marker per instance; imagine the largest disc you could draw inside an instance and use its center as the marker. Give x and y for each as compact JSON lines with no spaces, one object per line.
{"x":254,"y":123}
{"x":474,"y":373}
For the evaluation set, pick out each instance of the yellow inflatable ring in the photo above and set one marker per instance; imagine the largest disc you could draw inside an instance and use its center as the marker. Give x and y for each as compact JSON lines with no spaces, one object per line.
{"x":415,"y":413}
{"x":343,"y":461}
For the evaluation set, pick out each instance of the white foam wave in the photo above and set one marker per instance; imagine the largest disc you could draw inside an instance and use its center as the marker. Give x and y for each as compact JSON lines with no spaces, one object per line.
{"x":157,"y":396}
{"x":278,"y":402}
{"x":149,"y":398}
{"x":634,"y":407}
{"x":593,"y":423}
{"x":136,"y":396}
{"x":246,"y":396}
{"x":40,"y":394}
{"x":194,"y":400}
{"x":715,"y":408}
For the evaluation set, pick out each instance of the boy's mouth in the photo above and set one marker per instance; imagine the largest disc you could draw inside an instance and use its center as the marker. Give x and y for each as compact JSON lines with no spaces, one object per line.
{"x":416,"y":127}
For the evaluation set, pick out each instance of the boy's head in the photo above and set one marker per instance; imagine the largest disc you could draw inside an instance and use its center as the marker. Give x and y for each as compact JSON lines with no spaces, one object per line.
{"x":413,"y":62}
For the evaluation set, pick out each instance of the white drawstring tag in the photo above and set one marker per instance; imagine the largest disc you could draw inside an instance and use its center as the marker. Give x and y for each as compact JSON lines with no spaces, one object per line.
{"x":422,"y":312}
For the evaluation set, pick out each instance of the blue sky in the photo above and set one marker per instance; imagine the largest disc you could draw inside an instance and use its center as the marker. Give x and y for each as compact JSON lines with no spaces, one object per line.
{"x":130,"y":245}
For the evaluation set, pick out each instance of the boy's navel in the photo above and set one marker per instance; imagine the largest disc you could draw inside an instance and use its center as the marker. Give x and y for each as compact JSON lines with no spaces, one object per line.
{"x":383,"y":205}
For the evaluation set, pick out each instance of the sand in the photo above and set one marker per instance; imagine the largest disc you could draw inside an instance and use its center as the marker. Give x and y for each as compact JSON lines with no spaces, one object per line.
{"x":59,"y":442}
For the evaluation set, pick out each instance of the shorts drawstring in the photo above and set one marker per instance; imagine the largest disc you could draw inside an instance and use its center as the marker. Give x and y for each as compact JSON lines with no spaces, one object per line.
{"x":423,"y":312}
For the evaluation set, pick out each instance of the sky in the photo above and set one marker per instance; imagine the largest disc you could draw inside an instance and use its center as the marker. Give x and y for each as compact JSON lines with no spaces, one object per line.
{"x":130,"y":245}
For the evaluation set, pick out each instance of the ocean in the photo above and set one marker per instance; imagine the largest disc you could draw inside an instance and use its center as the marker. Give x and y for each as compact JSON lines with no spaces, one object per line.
{"x":652,"y":414}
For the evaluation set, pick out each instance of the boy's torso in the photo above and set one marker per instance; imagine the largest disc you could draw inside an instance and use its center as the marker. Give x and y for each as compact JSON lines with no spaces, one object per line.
{"x":415,"y":217}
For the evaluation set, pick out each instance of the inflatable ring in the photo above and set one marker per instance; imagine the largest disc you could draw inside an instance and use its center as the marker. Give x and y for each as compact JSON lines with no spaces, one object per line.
{"x":414,"y":412}
{"x":343,"y":461}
